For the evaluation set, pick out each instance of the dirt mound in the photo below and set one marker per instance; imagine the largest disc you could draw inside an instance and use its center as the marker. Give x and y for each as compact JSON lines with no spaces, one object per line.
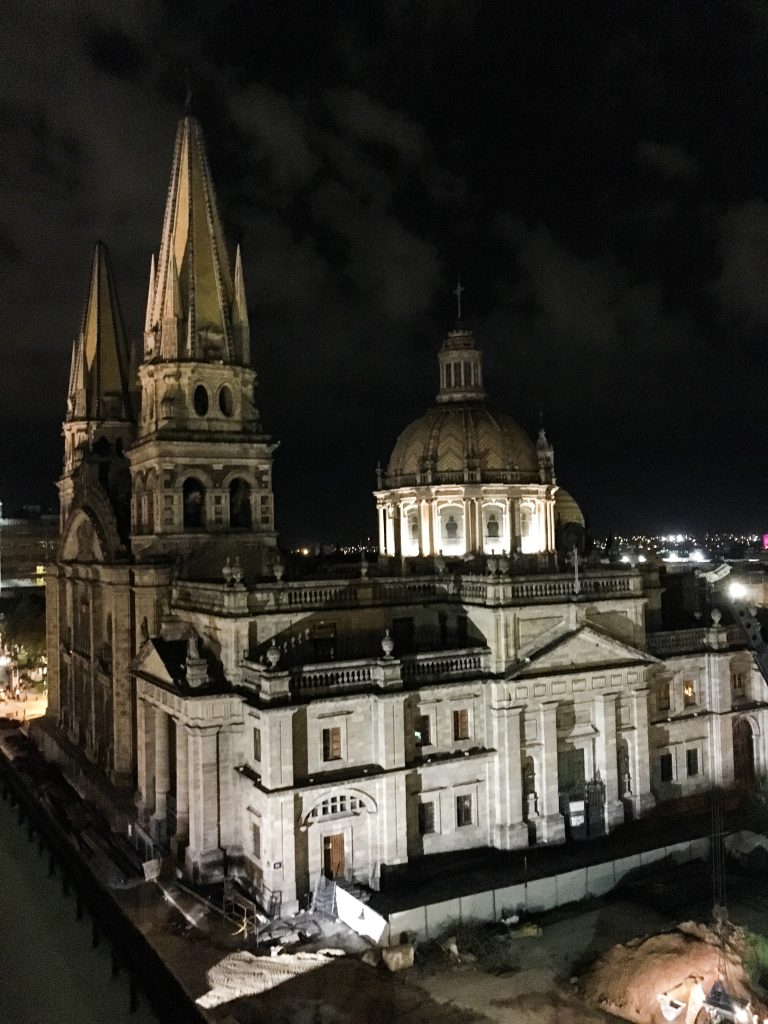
{"x":627,"y":980}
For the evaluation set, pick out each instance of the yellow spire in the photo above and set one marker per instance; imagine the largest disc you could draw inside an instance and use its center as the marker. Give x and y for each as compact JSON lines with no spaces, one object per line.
{"x":99,"y":388}
{"x":193,"y":243}
{"x":150,"y":296}
{"x":240,"y":324}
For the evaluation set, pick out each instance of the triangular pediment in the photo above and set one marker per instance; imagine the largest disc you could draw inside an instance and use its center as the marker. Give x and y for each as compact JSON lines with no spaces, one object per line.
{"x":583,"y":648}
{"x":149,"y":663}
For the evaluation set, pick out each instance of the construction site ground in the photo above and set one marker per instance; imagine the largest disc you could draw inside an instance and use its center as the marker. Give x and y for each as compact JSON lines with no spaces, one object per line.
{"x":531,"y":983}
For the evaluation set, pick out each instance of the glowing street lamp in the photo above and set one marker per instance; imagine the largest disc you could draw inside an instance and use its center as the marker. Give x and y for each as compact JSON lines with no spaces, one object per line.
{"x":737,"y":591}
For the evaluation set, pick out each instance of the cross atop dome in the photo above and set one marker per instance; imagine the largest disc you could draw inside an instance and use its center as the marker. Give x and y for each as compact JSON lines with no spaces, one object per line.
{"x":458,"y":291}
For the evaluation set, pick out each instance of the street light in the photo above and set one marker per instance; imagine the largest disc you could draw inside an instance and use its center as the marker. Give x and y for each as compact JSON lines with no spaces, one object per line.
{"x":737,"y":591}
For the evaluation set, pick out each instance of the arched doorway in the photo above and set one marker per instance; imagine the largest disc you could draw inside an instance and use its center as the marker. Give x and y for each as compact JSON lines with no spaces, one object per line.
{"x":743,"y":751}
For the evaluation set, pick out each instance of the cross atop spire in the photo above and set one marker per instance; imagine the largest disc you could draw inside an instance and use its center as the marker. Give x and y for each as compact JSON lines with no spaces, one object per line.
{"x":458,"y":291}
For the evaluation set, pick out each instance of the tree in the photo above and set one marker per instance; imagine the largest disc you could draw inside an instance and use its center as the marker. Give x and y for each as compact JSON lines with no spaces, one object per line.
{"x":25,"y":627}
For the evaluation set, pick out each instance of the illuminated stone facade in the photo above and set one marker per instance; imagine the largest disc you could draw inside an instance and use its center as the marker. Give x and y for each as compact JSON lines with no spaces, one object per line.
{"x":472,"y":689}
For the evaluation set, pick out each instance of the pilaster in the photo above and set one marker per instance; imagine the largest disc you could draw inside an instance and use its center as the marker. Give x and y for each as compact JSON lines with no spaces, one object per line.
{"x":509,"y":829}
{"x":643,"y":800}
{"x":204,"y":858}
{"x":552,"y":823}
{"x":605,"y":750}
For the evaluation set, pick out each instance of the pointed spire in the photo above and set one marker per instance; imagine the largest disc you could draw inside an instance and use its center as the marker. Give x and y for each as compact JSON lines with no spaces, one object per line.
{"x":240,"y":323}
{"x":193,"y":240}
{"x":99,"y":386}
{"x":150,"y":296}
{"x":172,"y":314}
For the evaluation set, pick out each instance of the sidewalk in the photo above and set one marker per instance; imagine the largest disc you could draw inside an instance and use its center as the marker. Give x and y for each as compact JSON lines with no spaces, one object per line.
{"x":34,"y":706}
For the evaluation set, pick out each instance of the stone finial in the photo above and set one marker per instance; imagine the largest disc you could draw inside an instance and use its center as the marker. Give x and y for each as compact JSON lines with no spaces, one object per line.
{"x":273,"y":654}
{"x":279,"y":570}
{"x":237,"y":571}
{"x":387,"y":644}
{"x":716,"y":615}
{"x":192,"y":652}
{"x":226,"y":571}
{"x":363,"y":567}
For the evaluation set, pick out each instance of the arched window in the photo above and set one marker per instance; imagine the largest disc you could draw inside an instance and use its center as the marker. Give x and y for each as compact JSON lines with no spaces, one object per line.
{"x":194,"y":504}
{"x":743,"y":751}
{"x":240,"y":514}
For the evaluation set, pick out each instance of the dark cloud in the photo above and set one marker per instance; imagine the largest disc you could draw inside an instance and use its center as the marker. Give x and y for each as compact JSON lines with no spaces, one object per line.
{"x":596,"y":175}
{"x":669,"y":161}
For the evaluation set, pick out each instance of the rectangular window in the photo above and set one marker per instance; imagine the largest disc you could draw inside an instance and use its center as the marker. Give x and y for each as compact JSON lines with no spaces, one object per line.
{"x":256,"y":744}
{"x":423,"y":731}
{"x":426,"y":819}
{"x":332,"y":744}
{"x":461,"y":724}
{"x":692,"y":761}
{"x":740,"y":683}
{"x":665,"y":767}
{"x":689,"y":693}
{"x":257,"y":841}
{"x":463,"y":811}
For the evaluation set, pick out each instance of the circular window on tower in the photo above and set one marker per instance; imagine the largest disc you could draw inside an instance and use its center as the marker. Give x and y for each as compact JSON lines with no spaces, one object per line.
{"x":200,"y":400}
{"x":226,"y":401}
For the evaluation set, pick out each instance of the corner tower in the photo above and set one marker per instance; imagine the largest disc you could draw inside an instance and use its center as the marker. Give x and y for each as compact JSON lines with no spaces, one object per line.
{"x":201,"y":467}
{"x":99,"y":423}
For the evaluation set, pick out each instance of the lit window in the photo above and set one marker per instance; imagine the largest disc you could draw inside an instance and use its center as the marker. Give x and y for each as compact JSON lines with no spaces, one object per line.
{"x":665,"y":767}
{"x":463,"y":811}
{"x":256,"y":744}
{"x":332,"y":744}
{"x":423,"y":732}
{"x":689,"y":692}
{"x":426,"y":819}
{"x":692,"y":761}
{"x":461,"y":724}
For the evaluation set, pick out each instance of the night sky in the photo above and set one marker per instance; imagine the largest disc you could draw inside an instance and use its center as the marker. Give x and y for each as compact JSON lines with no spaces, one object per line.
{"x":596,"y":172}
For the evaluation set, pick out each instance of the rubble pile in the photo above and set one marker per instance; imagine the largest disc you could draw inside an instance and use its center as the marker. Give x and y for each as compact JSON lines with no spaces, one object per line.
{"x":630,"y":978}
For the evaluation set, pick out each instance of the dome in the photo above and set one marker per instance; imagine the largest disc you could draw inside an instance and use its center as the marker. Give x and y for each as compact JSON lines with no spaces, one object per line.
{"x":566,"y":509}
{"x":458,"y":437}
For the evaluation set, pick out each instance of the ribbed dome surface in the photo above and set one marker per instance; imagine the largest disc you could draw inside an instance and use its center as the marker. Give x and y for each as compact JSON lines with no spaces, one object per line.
{"x":462,"y":436}
{"x":566,"y":509}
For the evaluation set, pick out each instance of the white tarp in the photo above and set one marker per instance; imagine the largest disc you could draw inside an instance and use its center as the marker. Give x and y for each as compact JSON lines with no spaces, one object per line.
{"x":361,"y":918}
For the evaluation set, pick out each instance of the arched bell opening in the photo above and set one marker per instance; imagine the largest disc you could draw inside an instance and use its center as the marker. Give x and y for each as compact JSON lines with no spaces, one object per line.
{"x":240,"y":510}
{"x":194,"y":504}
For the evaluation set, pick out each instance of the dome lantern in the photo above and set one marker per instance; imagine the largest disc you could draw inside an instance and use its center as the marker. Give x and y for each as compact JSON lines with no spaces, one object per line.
{"x":461,"y":368}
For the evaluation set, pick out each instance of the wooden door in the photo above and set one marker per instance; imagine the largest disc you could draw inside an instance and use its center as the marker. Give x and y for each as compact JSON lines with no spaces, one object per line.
{"x":333,"y":855}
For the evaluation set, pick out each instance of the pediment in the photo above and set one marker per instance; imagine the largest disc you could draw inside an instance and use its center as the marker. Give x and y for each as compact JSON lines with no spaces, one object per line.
{"x":582,"y":648}
{"x":149,"y":663}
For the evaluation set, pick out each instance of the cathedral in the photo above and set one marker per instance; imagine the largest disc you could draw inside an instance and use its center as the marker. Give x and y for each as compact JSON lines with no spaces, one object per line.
{"x":480,"y":685}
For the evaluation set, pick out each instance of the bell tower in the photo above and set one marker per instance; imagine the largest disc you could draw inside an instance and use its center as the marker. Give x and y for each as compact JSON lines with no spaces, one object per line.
{"x":201,"y":467}
{"x":99,"y":423}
